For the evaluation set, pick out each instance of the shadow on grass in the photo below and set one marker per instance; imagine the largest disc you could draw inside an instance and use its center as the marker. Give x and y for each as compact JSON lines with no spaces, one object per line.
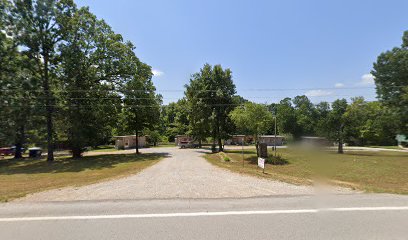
{"x":270,"y":160}
{"x":240,"y":151}
{"x":62,"y":165}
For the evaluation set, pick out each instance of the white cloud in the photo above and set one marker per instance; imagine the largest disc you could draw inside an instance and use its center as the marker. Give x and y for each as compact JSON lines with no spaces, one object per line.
{"x":157,"y":73}
{"x":367,"y":79}
{"x":339,"y":85}
{"x":318,"y":93}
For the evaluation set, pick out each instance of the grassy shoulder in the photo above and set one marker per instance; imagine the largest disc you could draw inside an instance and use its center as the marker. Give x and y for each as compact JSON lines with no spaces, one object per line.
{"x":382,"y":171}
{"x":19,"y":178}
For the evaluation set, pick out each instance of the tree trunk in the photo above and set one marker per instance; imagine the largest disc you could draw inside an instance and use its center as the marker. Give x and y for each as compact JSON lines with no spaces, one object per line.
{"x":18,"y":154}
{"x":200,"y":143}
{"x":76,"y":152}
{"x":340,"y":148}
{"x":137,"y":142}
{"x":48,"y":108}
{"x":220,"y":145}
{"x":257,"y":148}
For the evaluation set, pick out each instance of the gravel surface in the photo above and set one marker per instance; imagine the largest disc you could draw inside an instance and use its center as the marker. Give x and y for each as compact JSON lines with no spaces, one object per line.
{"x":183,"y":174}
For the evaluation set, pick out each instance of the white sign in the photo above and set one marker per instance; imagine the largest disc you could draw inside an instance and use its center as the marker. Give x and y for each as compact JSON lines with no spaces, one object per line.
{"x":261,"y":163}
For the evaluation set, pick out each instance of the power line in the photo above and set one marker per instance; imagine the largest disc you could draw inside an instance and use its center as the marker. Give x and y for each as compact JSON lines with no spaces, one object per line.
{"x":209,"y":90}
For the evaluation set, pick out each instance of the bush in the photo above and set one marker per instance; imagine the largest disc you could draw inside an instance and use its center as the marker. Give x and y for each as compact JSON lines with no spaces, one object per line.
{"x":278,"y":160}
{"x":227,"y":159}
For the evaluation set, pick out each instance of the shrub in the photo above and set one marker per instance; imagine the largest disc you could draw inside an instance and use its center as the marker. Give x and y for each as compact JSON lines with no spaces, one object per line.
{"x":278,"y":160}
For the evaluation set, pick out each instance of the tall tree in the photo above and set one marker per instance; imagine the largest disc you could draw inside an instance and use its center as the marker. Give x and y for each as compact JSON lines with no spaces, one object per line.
{"x":141,"y":104}
{"x":89,"y":75}
{"x":391,"y":78}
{"x":212,"y":89}
{"x":38,"y":30}
{"x":198,"y":109}
{"x":17,"y":87}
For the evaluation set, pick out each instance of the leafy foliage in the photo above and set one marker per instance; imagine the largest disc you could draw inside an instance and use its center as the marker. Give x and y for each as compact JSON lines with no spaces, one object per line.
{"x":391,"y":78}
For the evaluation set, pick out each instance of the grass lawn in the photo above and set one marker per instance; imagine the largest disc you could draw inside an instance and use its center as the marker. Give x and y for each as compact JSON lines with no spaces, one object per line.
{"x":19,"y":178}
{"x":105,"y":148}
{"x":386,"y":147}
{"x":370,"y":171}
{"x":164,"y":145}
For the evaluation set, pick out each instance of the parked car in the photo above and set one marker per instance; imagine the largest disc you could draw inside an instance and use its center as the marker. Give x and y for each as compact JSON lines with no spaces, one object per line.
{"x":6,"y":151}
{"x":14,"y":149}
{"x":190,"y":144}
{"x":34,"y":152}
{"x":184,"y":145}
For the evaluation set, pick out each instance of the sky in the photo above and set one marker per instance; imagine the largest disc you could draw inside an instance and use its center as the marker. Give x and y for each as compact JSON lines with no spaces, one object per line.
{"x":275,"y":49}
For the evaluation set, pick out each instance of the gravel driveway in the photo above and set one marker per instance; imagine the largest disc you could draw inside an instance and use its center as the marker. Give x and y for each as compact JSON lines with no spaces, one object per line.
{"x":184,"y":174}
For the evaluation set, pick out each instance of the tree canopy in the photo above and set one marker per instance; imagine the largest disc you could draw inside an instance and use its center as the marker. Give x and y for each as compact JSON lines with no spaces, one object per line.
{"x":391,"y":79}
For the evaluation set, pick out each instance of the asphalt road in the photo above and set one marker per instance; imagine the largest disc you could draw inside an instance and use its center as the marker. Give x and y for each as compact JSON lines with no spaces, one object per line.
{"x":349,"y":216}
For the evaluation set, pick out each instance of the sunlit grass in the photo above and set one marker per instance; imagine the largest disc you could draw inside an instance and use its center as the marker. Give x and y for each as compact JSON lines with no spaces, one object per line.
{"x":378,"y":171}
{"x":21,"y":177}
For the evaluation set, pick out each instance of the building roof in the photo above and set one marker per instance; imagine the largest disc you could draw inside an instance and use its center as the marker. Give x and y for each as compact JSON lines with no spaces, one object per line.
{"x":271,"y":136}
{"x":127,"y":136}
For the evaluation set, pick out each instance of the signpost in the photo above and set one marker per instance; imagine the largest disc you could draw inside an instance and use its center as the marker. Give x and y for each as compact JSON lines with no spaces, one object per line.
{"x":261,"y":163}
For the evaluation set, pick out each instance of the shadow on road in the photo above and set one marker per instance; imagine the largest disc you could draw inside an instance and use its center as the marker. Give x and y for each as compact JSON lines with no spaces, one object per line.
{"x":61,"y":165}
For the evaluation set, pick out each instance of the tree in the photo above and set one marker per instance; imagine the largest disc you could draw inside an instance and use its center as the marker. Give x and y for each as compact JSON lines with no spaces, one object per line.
{"x":306,"y":115}
{"x":141,"y":104}
{"x":336,"y":122}
{"x":38,"y":30}
{"x":153,"y":136}
{"x":369,"y":123}
{"x":17,"y":87}
{"x":252,"y":118}
{"x":88,"y":74}
{"x":211,"y":90}
{"x":390,"y":72}
{"x":287,"y":120}
{"x":199,"y":111}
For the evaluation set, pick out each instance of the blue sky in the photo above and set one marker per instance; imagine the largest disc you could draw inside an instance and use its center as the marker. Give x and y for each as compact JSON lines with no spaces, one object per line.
{"x":324,"y":49}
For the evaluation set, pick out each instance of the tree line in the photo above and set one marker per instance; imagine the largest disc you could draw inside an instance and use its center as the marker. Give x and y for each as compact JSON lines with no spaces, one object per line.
{"x":211,"y":109}
{"x":68,"y":79}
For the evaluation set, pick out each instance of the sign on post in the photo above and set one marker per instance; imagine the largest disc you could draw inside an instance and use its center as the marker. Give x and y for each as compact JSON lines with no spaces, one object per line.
{"x":261,"y":163}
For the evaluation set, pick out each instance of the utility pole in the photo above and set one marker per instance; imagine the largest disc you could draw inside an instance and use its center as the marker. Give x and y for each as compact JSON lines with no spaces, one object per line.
{"x":275,"y":136}
{"x":243,"y":158}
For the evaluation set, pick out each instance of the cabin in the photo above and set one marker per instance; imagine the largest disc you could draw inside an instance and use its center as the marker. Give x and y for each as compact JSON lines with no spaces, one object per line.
{"x":236,"y":140}
{"x":129,"y":142}
{"x":272,"y":140}
{"x":183,"y":139}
